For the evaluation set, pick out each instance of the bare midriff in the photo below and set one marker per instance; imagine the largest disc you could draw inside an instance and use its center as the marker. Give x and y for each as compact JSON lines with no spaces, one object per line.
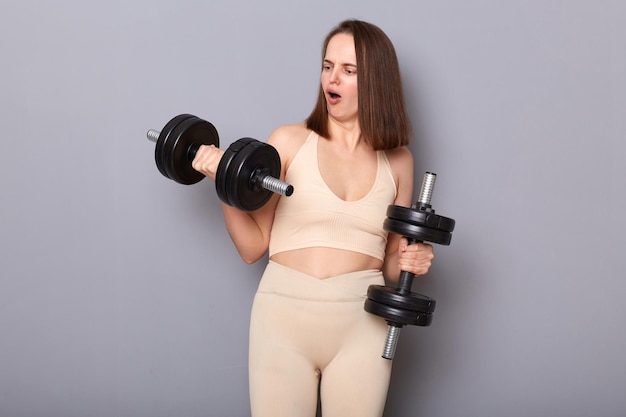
{"x":324,"y":263}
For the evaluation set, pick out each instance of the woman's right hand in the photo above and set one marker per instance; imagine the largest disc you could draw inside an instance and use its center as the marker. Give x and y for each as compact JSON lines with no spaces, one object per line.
{"x":207,"y":159}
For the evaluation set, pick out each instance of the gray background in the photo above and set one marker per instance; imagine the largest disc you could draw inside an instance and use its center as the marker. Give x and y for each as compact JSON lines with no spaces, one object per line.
{"x":122,"y":295}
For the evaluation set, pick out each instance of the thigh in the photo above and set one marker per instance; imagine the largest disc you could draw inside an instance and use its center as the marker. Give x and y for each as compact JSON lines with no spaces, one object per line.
{"x":283,"y":381}
{"x":356,"y":382}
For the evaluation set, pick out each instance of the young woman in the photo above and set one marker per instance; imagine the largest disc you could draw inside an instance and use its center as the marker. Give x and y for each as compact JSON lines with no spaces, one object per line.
{"x":347,"y":162}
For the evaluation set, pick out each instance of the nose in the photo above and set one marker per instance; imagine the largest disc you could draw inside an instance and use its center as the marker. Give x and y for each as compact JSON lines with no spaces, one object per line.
{"x":333,"y":78}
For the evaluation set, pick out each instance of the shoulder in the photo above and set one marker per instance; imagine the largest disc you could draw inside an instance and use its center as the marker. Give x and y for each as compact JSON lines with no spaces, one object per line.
{"x":402,"y":167}
{"x":286,"y":134}
{"x":401,"y":160}
{"x":288,"y":139}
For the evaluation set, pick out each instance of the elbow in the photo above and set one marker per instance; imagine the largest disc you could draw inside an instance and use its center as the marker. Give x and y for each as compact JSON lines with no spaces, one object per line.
{"x":249,"y":260}
{"x":251,"y":257}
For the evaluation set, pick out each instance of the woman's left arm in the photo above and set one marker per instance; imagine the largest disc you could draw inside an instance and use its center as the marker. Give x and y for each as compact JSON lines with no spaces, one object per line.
{"x":399,"y":255}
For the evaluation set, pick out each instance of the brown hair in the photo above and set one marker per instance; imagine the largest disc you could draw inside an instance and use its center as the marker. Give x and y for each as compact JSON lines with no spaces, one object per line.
{"x":383,"y":118}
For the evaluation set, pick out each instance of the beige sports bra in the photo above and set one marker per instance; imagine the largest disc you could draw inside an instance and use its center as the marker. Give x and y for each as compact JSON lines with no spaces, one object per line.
{"x":315,"y":217}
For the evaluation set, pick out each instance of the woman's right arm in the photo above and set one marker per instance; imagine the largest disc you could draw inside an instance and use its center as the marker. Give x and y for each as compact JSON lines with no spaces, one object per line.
{"x":249,"y":231}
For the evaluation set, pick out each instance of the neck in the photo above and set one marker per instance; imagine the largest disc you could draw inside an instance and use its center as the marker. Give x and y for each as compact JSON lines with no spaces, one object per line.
{"x":347,"y":132}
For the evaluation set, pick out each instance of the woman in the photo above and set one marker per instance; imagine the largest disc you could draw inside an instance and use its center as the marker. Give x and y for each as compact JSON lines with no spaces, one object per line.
{"x":326,"y":242}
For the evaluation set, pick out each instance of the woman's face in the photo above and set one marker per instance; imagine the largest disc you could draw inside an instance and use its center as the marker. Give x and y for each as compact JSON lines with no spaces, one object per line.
{"x":339,"y":79}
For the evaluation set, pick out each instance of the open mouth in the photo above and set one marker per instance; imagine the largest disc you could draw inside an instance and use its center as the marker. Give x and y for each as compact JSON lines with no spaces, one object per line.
{"x":333,"y":97}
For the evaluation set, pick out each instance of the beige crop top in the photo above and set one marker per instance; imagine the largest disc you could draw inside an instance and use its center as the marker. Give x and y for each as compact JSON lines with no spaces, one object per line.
{"x":315,"y":217}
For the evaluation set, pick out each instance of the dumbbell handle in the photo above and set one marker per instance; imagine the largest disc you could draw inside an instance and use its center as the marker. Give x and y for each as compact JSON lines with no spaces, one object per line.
{"x":393,"y":329}
{"x":259,"y":178}
{"x":406,"y":278}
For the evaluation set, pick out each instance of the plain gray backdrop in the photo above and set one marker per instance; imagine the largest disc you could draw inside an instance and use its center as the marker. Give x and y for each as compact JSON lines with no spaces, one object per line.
{"x":122,"y":295}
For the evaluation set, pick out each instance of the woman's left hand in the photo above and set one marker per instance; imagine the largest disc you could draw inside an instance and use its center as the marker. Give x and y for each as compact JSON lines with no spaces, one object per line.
{"x":415,"y":258}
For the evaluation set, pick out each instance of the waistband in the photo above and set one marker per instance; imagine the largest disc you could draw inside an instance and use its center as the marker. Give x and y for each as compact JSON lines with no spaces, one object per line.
{"x":281,"y":280}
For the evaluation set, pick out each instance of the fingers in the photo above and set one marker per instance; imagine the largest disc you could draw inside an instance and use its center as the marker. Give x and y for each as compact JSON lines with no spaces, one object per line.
{"x":207,"y":160}
{"x":415,"y":258}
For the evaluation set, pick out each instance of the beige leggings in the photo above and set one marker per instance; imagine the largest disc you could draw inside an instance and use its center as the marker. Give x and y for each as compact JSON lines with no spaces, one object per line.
{"x":303,"y":329}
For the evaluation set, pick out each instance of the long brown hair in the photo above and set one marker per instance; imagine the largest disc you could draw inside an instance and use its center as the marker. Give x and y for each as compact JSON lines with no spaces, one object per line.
{"x":383,"y":117}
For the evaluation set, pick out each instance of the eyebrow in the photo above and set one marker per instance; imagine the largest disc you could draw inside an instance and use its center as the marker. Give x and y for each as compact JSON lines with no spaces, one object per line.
{"x":347,"y":64}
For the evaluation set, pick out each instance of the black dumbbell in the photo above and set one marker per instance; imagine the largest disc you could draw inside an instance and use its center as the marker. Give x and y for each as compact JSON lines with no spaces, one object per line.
{"x":400,"y":306}
{"x":247,"y":173}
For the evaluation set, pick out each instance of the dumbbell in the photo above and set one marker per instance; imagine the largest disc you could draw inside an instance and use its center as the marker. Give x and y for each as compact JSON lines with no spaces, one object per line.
{"x":400,"y":306}
{"x":247,"y":173}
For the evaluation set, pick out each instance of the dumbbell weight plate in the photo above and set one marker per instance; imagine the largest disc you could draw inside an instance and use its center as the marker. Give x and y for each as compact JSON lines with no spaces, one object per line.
{"x":421,"y":218}
{"x":421,"y":233}
{"x":398,"y":316}
{"x":164,"y":138}
{"x":408,"y":301}
{"x":181,"y":145}
{"x":234,"y":175}
{"x":223,"y":180}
